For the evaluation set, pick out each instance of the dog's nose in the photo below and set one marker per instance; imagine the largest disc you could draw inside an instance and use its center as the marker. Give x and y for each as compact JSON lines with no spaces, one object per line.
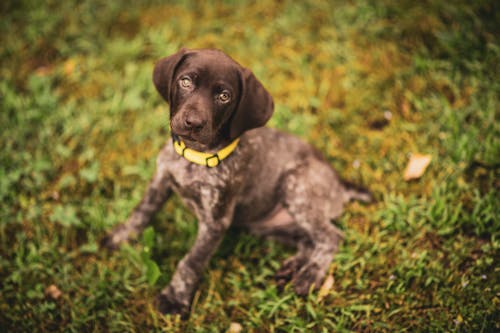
{"x":193,"y":122}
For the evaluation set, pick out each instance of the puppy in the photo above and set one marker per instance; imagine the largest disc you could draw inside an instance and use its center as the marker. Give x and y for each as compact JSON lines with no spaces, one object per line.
{"x":229,"y":169}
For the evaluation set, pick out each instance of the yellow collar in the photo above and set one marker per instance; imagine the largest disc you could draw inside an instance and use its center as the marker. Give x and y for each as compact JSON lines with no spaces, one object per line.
{"x":207,"y":159}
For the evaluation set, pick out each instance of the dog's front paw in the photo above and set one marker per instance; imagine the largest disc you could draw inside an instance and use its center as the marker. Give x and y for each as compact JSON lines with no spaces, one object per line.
{"x":107,"y":243}
{"x":166,"y":304}
{"x":115,"y":238}
{"x":308,"y":276}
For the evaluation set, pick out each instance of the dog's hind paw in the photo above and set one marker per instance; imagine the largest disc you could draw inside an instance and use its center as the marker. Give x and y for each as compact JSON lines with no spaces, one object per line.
{"x":287,"y":271}
{"x":309,"y":276}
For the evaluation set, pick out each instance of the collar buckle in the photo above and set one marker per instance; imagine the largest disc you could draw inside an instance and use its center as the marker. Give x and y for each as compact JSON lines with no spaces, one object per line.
{"x":211,"y":158}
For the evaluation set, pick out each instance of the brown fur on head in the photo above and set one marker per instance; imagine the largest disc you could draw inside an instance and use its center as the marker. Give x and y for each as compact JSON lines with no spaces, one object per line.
{"x":212,"y":98}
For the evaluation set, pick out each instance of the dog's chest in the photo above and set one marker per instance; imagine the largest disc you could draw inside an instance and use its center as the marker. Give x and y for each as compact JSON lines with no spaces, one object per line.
{"x":198,"y":185}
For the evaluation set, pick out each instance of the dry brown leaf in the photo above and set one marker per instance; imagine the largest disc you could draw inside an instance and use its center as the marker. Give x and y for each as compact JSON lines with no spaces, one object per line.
{"x":405,"y":108}
{"x":416,"y":166}
{"x":69,"y":66}
{"x":326,"y":287}
{"x":53,"y":292}
{"x":44,"y":70}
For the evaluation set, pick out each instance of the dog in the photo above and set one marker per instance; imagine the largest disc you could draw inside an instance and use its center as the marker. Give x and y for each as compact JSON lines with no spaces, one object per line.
{"x":231,"y":170}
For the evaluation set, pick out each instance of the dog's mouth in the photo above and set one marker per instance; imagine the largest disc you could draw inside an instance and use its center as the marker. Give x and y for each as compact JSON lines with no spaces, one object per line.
{"x":191,"y":138}
{"x":185,"y":132}
{"x":185,"y":136}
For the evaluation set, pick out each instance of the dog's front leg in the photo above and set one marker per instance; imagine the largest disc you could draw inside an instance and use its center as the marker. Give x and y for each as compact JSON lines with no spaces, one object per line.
{"x":212,"y":225}
{"x":157,"y":193}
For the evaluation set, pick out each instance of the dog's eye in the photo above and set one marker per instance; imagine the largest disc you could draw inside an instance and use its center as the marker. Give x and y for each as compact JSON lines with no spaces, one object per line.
{"x":186,"y":82}
{"x":224,"y":97}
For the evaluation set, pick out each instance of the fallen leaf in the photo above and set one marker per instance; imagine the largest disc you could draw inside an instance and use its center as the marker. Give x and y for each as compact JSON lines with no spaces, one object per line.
{"x":326,"y":287}
{"x":69,"y":66}
{"x":235,"y":328}
{"x":416,"y":166}
{"x":405,"y":108}
{"x":53,"y":292}
{"x":44,"y":70}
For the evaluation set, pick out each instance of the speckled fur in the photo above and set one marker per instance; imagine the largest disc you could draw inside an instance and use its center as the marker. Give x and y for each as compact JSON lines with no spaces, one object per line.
{"x":274,"y":184}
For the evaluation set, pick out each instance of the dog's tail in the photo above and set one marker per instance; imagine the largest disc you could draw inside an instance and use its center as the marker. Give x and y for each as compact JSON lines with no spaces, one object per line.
{"x":355,"y":192}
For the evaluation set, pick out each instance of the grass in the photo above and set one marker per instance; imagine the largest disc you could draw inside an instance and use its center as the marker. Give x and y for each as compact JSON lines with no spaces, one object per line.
{"x":81,"y":123}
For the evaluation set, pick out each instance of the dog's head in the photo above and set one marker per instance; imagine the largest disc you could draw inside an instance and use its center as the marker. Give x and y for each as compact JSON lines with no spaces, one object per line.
{"x":212,"y":98}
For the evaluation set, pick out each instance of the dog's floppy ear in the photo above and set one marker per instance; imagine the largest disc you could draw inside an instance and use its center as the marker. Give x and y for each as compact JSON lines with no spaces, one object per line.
{"x":163,"y":73}
{"x":255,"y":106}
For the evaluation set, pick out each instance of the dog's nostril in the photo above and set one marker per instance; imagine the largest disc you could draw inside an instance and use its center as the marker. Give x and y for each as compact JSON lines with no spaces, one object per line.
{"x":193,"y":122}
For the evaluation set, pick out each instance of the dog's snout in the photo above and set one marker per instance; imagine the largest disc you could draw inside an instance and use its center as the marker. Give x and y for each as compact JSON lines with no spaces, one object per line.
{"x":192,"y":121}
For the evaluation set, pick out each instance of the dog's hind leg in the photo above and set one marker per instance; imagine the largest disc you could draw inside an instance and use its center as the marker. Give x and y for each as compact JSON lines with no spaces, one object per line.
{"x":312,"y":195}
{"x":279,"y":225}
